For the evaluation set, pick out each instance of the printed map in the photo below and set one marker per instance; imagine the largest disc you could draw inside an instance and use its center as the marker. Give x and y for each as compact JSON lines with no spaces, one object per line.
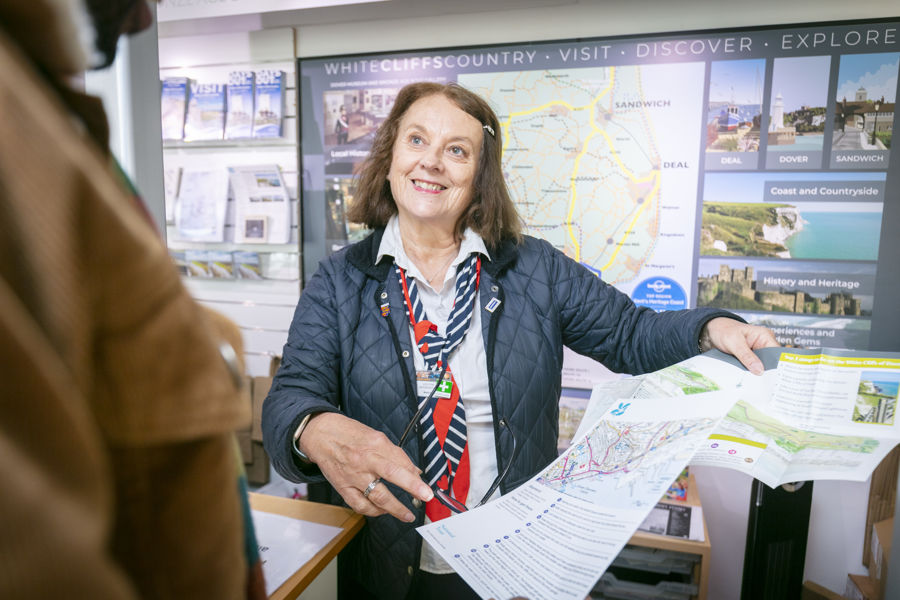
{"x":775,"y":452}
{"x":619,"y":460}
{"x":602,"y":161}
{"x":695,"y":376}
{"x":745,"y":421}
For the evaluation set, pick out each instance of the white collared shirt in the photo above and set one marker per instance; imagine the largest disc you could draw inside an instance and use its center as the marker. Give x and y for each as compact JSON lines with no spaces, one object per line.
{"x":468,"y":364}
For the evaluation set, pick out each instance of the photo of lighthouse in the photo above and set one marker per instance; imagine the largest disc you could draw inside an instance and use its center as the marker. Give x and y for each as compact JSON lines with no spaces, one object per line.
{"x":799,"y":103}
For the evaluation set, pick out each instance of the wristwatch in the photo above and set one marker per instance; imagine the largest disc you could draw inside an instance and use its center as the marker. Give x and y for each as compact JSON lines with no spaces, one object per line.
{"x":297,"y":433}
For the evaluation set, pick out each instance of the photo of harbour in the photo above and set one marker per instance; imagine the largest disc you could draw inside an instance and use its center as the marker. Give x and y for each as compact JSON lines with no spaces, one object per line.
{"x":798,"y":104}
{"x":735,"y":105}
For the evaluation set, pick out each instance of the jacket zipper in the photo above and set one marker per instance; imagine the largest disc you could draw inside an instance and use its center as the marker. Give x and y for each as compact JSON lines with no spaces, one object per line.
{"x":489,"y":358}
{"x":380,"y":298}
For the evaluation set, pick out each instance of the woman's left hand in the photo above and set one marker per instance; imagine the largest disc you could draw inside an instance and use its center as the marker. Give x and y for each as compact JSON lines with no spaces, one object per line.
{"x":739,"y":339}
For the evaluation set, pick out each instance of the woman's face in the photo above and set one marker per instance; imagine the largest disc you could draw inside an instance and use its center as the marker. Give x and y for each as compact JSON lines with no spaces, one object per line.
{"x":433,"y":163}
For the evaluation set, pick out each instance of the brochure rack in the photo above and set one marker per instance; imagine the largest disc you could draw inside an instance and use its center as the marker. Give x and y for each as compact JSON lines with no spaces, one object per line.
{"x":239,"y":246}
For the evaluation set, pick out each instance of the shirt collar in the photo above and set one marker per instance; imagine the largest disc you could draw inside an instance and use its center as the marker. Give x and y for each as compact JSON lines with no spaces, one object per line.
{"x":392,"y":245}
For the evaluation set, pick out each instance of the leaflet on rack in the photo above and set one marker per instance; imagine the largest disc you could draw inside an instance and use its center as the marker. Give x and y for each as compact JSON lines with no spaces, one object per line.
{"x":554,"y":536}
{"x":201,"y":206}
{"x":239,"y":118}
{"x":268,"y":103}
{"x":262,"y":206}
{"x":173,"y":102}
{"x":205,"y":118}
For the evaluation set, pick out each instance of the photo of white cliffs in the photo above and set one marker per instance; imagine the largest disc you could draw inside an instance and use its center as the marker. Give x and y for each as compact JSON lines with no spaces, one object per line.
{"x":834,"y":216}
{"x":744,"y":229}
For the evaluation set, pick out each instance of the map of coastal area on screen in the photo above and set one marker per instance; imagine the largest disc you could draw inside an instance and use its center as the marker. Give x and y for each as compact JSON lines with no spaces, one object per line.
{"x":602,"y":162}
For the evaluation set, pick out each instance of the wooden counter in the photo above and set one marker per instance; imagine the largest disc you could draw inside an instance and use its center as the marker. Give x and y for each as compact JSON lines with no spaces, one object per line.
{"x":325,"y":514}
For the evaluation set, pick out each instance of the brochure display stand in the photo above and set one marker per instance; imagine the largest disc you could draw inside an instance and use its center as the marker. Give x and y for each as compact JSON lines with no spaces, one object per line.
{"x":231,"y":173}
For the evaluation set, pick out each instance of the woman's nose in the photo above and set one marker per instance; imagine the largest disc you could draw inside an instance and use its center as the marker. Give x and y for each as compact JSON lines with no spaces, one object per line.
{"x":432,"y":160}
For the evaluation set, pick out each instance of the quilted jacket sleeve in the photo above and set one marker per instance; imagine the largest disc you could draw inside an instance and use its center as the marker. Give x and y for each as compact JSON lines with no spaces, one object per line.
{"x":308,"y":379}
{"x":601,"y":322}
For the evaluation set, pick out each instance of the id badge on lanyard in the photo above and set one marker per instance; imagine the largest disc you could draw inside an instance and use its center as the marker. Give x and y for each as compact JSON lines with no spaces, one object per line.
{"x":426,"y":380}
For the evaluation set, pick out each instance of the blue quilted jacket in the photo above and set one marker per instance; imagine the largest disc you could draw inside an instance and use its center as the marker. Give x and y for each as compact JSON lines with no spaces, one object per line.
{"x":343,"y":355}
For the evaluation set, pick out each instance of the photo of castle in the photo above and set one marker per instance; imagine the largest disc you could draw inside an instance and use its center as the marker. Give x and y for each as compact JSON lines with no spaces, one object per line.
{"x":735,"y":288}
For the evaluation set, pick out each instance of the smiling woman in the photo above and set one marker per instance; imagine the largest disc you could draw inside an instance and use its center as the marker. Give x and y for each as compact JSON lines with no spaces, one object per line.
{"x":431,"y":176}
{"x":446,"y":321}
{"x":491,"y":212}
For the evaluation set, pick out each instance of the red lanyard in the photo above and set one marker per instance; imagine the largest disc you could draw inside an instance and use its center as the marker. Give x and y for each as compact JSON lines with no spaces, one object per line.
{"x":409,"y":311}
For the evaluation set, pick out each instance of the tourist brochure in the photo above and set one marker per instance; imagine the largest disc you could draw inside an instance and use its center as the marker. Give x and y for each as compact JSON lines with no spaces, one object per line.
{"x":239,"y":118}
{"x":268,"y":105}
{"x":201,"y":206}
{"x":196,"y":264}
{"x":262,"y":206}
{"x":813,"y":414}
{"x":555,"y":535}
{"x":173,"y":103}
{"x":221,"y":264}
{"x":205,"y":112}
{"x":171,"y":182}
{"x":675,"y":520}
{"x":246,"y":265}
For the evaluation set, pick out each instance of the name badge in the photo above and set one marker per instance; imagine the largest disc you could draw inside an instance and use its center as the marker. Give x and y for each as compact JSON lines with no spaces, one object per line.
{"x":426,"y":380}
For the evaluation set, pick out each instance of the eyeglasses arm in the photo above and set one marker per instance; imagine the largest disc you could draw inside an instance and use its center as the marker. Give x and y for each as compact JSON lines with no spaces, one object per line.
{"x":502,"y":476}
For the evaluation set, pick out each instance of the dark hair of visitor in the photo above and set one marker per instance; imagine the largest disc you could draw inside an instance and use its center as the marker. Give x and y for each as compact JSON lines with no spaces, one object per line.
{"x":491,"y":214}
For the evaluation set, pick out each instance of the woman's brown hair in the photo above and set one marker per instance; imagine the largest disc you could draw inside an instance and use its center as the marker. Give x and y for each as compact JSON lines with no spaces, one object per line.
{"x":491,"y":213}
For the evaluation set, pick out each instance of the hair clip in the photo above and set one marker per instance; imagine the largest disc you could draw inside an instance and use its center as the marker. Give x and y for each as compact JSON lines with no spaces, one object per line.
{"x":490,"y":130}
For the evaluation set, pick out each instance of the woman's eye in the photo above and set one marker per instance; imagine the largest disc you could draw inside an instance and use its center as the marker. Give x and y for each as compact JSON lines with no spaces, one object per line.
{"x":457,"y":151}
{"x":414,"y":139}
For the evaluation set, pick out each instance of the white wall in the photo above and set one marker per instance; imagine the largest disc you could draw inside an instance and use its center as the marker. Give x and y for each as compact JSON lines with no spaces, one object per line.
{"x":411,"y":24}
{"x":838,"y":513}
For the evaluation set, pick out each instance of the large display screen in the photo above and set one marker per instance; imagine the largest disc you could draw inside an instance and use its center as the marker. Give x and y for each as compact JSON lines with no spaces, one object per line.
{"x":745,"y":169}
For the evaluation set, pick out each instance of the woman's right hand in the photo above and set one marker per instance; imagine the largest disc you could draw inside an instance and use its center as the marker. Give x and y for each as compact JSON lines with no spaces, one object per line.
{"x":352,"y":455}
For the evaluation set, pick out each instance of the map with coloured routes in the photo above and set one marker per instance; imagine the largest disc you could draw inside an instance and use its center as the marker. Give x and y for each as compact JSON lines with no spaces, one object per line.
{"x":746,"y":422}
{"x":775,"y":452}
{"x":602,"y":161}
{"x":618,"y":460}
